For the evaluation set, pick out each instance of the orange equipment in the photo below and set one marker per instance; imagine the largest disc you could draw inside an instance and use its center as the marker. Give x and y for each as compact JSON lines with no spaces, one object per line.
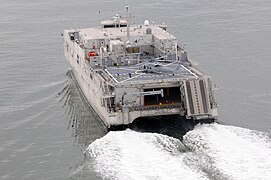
{"x":91,"y":54}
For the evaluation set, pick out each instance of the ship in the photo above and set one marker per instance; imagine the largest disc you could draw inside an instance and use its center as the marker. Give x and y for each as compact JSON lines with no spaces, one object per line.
{"x":128,"y":71}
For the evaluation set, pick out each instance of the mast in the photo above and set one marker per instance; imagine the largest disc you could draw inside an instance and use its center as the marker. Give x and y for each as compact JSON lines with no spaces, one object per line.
{"x":128,"y":16}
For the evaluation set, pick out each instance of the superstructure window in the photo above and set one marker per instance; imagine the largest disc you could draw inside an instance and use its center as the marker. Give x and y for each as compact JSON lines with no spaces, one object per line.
{"x":113,"y":25}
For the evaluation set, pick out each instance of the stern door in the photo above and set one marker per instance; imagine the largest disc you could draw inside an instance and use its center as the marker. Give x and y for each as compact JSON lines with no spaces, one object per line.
{"x":196,"y":98}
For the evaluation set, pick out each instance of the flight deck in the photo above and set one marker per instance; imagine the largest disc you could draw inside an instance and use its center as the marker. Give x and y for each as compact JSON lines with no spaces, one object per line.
{"x":169,"y":71}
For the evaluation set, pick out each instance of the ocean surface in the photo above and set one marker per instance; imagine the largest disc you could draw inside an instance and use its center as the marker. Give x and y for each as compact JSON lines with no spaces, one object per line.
{"x":48,"y":131}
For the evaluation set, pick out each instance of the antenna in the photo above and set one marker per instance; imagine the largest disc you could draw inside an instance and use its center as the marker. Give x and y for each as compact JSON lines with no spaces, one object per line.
{"x":128,"y":16}
{"x":176,"y":49}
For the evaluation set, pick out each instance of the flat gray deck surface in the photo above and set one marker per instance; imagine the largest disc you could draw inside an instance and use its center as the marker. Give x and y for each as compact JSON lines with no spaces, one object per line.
{"x":121,"y":74}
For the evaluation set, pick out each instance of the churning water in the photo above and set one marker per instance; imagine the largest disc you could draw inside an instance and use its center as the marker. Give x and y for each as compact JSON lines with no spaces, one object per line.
{"x":48,"y":131}
{"x":208,"y":152}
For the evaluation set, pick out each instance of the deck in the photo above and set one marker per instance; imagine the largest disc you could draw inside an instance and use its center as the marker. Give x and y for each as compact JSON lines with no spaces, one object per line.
{"x":123,"y":74}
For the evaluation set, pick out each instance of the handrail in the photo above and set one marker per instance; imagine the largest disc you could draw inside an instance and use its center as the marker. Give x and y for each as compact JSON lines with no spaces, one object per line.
{"x":153,"y":107}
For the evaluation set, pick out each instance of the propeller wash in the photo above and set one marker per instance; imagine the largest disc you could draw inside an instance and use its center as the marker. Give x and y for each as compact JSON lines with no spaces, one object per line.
{"x":127,"y":71}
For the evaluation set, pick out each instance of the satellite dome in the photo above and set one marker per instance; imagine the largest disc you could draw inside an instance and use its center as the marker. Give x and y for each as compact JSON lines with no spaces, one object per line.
{"x":146,"y":23}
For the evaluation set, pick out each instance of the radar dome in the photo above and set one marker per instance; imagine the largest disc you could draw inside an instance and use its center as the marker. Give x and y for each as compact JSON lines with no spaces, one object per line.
{"x":146,"y":23}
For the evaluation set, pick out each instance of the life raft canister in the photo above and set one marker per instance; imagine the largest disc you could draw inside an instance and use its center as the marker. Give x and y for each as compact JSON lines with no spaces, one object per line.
{"x":91,"y":54}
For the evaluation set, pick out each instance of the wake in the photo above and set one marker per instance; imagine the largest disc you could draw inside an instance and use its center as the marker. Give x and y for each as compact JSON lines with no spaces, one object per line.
{"x":235,"y":153}
{"x":210,"y":151}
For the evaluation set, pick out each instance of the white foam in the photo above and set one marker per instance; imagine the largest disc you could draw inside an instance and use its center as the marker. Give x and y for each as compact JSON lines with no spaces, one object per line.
{"x":132,"y":155}
{"x":209,"y":152}
{"x":236,"y":153}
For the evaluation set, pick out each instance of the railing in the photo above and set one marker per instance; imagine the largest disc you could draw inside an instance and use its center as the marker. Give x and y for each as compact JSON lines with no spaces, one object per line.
{"x":153,"y":107}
